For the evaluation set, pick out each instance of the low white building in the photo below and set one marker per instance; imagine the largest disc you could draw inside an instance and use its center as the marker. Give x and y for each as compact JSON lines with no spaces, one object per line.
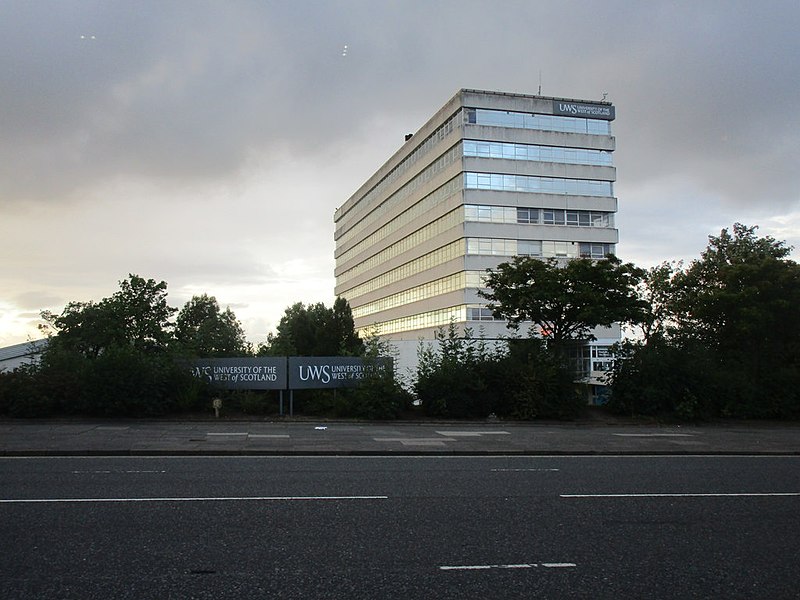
{"x":17,"y":355}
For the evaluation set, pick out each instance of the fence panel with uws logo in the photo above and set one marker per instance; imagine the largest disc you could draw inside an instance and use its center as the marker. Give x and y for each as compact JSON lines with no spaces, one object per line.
{"x":318,"y":372}
{"x":321,"y":372}
{"x":242,"y":373}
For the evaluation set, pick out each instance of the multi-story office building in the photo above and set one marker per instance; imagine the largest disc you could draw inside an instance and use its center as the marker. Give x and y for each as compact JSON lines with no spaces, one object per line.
{"x":490,"y":176}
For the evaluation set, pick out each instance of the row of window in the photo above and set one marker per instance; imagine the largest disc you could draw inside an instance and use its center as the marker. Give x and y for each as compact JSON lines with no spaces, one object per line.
{"x":437,"y":136}
{"x":537,"y":185}
{"x":431,"y":230}
{"x":546,"y":216}
{"x":445,"y":285}
{"x":590,"y":352}
{"x":458,"y":281}
{"x":585,"y":359}
{"x":423,"y":263}
{"x":519,"y":120}
{"x":480,"y":313}
{"x":482,"y":247}
{"x":438,"y":196}
{"x":484,"y":181}
{"x":555,"y":154}
{"x":459,"y":314}
{"x":472,"y":213}
{"x":544,"y":249}
{"x":453,"y":155}
{"x":434,"y":318}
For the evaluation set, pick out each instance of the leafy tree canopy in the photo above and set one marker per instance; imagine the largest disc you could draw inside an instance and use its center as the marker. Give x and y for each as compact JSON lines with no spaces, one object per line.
{"x":722,"y":336}
{"x":137,"y":315}
{"x":315,"y":330}
{"x":565,"y":302}
{"x":742,"y":290}
{"x":204,"y":330}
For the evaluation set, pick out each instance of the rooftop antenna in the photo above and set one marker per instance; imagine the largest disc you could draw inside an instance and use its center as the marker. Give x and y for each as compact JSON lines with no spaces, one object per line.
{"x":605,"y":95}
{"x":540,"y":82}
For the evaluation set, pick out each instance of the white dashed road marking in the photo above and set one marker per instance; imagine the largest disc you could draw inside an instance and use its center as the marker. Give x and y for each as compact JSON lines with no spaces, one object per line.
{"x":210,"y":499}
{"x":654,"y":434}
{"x":689,"y":495}
{"x":525,"y":470}
{"x":511,"y":566}
{"x":471,"y":433}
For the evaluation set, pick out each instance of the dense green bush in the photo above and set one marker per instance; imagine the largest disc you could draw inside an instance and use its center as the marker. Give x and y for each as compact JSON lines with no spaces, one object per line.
{"x":120,"y":381}
{"x":377,"y":396}
{"x":21,"y":395}
{"x":534,"y":383}
{"x":464,"y":378}
{"x":662,"y":378}
{"x":451,"y":377}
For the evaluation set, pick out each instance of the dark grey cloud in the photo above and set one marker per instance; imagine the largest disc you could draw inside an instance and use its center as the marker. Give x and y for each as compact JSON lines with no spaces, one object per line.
{"x":187,"y":91}
{"x":207,"y":143}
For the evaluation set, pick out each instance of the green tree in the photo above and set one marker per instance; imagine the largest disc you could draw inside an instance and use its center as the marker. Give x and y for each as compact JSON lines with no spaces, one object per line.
{"x":112,"y":357}
{"x":657,"y":291}
{"x":137,"y":315}
{"x":741,"y":298}
{"x":565,"y":302}
{"x":724,"y":335}
{"x":344,"y":329}
{"x":741,"y":290}
{"x":315,"y":330}
{"x":203,"y":329}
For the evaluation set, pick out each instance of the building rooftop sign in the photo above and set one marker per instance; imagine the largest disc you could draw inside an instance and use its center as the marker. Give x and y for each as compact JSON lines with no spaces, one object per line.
{"x":581,"y":109}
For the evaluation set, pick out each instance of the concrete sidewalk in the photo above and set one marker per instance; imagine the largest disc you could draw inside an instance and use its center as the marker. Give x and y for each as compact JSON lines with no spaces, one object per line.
{"x":161,"y":437}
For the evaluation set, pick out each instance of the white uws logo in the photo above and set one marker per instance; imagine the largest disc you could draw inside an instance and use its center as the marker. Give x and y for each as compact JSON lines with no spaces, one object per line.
{"x":570,"y":108}
{"x":320,"y":373}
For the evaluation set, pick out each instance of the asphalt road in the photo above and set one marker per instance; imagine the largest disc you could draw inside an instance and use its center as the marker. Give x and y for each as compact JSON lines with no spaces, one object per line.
{"x":22,"y":437}
{"x":400,"y":527}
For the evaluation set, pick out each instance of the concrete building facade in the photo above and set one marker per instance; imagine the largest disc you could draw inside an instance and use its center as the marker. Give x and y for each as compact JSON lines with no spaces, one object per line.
{"x":491,"y":175}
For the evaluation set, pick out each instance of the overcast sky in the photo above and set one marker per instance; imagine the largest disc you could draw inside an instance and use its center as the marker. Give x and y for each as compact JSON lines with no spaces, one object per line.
{"x":207,"y":144}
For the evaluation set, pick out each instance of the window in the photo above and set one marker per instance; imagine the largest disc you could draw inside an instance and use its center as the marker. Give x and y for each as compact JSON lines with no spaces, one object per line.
{"x":596,"y":251}
{"x":502,"y":118}
{"x":531,"y":152}
{"x":529,"y":248}
{"x":537,"y":185}
{"x":475,"y":313}
{"x":527,"y":215}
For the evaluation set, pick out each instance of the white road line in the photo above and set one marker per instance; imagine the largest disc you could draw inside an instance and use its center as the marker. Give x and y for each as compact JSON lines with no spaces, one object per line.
{"x":227,"y":433}
{"x":437,"y":444}
{"x":109,"y":472}
{"x":472,"y":433}
{"x":198,"y":499}
{"x":511,"y":566}
{"x":266,"y":435}
{"x":404,"y":440}
{"x":143,"y":471}
{"x":688,"y":495}
{"x":517,"y":470}
{"x":421,"y":458}
{"x":654,"y":434}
